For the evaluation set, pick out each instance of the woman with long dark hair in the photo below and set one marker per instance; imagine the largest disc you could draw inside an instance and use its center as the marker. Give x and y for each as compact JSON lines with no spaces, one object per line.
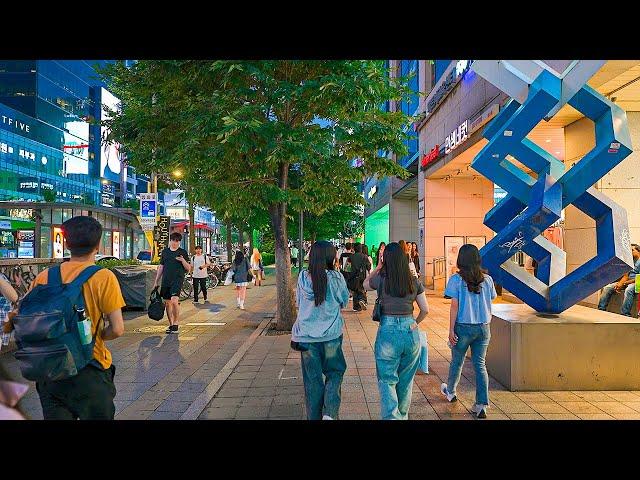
{"x":397,"y":347}
{"x":240,"y":268}
{"x":471,"y":293}
{"x":415,"y":257}
{"x":321,"y":294}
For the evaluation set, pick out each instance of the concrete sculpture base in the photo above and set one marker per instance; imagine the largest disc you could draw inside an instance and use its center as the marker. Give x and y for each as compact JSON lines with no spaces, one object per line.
{"x":579,"y":349}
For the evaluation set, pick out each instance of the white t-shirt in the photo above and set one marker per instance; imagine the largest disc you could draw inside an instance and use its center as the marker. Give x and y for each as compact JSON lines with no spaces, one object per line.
{"x":197,"y":261}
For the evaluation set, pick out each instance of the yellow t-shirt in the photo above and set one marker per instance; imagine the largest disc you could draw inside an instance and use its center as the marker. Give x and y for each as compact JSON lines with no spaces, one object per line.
{"x":102,"y":295}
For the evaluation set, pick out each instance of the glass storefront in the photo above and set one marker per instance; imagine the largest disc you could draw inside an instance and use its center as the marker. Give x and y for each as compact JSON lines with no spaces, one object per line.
{"x":376,"y":227}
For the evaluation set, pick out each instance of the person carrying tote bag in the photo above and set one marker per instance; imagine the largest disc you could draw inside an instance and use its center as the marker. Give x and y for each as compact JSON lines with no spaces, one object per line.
{"x":397,"y":346}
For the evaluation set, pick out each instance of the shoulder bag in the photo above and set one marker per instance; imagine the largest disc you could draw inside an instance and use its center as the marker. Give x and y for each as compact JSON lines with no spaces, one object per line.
{"x":377,"y":308}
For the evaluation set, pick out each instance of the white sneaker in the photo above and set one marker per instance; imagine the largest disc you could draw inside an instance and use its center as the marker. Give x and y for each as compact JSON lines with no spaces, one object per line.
{"x":326,"y":417}
{"x":480,"y":411}
{"x":242,"y":306}
{"x":449,"y":396}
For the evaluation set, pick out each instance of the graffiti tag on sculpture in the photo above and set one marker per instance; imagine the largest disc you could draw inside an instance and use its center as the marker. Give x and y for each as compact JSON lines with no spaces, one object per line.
{"x":535,"y":202}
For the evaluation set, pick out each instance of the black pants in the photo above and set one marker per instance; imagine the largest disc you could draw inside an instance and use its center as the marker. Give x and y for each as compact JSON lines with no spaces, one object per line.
{"x":202,"y":284}
{"x":359,"y":294}
{"x":87,"y":396}
{"x":294,"y":261}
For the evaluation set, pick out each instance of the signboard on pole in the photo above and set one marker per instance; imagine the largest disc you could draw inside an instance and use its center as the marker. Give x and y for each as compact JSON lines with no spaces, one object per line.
{"x":161,"y":234}
{"x":148,"y":211}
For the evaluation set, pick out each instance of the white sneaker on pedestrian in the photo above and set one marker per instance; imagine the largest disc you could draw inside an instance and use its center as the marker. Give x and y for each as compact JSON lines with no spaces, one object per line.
{"x":449,"y":396}
{"x":241,"y":306}
{"x":326,"y":417}
{"x":480,"y":410}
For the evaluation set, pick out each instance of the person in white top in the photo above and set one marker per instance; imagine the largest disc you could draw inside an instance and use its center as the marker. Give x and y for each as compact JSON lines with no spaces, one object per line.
{"x":256,"y":264}
{"x":199,"y":264}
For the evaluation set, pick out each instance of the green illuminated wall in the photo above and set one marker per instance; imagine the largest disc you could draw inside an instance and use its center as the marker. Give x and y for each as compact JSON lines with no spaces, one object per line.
{"x":376,"y":227}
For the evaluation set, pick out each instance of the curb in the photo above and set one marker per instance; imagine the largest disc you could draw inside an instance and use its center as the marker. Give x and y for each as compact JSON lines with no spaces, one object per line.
{"x":202,"y":400}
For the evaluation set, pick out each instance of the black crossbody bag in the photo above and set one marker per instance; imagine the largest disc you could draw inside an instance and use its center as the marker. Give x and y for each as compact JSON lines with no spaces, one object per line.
{"x":377,"y":308}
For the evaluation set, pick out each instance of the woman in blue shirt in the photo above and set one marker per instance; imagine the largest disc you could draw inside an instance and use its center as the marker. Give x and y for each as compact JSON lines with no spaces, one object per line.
{"x":471,"y":293}
{"x":321,"y":294}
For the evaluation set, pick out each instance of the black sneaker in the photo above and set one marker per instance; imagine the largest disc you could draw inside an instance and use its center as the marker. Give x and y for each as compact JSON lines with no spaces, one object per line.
{"x":363,"y":304}
{"x":480,"y":411}
{"x":172,"y":329}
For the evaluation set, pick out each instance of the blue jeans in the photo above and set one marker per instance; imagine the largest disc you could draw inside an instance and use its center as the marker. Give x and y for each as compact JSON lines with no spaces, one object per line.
{"x":627,"y":303}
{"x":477,"y":337}
{"x":397,"y":352}
{"x":322,"y":397}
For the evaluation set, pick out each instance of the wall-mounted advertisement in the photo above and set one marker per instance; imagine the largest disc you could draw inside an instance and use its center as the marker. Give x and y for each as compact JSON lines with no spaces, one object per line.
{"x":479,"y":241}
{"x":110,"y":165}
{"x":26,"y":240}
{"x":58,"y":243}
{"x":451,"y":247}
{"x":116,"y":244}
{"x":76,"y":147}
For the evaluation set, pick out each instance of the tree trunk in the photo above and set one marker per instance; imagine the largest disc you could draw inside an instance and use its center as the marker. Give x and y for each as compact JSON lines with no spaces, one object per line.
{"x":241,"y":238}
{"x":192,"y":229}
{"x":313,"y":238}
{"x":229,"y":246}
{"x":251,"y":241}
{"x":287,"y":312}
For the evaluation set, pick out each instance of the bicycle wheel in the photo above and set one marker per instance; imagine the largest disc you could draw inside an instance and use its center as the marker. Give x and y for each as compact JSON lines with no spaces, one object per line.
{"x":212,"y":281}
{"x":187,"y":289}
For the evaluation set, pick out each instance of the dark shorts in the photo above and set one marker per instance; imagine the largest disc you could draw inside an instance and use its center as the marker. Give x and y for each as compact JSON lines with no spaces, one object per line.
{"x":87,"y":396}
{"x":171,"y":289}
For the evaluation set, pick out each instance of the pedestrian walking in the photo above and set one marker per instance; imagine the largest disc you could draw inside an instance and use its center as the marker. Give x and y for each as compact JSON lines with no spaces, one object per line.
{"x":406,"y":247}
{"x":317,"y":332}
{"x":415,"y":257}
{"x":397,"y":346}
{"x":8,"y":298}
{"x":365,"y":252}
{"x":240,"y":268}
{"x":89,"y":393}
{"x":471,"y":293}
{"x":172,"y":270}
{"x":199,"y":264}
{"x":256,"y":267}
{"x":358,"y":273}
{"x":294,"y":255}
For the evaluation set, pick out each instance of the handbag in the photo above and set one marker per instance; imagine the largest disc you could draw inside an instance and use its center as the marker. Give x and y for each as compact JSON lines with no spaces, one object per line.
{"x":377,"y":308}
{"x":156,"y":305}
{"x":229,"y":278}
{"x":249,"y":274}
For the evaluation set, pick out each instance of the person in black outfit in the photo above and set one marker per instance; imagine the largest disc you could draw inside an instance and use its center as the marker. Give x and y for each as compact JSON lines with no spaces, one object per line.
{"x":173,"y":268}
{"x":415,"y":256}
{"x":360,"y":265}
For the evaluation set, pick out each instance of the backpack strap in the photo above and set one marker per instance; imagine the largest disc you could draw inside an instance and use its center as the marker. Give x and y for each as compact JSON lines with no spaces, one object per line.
{"x":74,"y":289}
{"x":54,"y":277}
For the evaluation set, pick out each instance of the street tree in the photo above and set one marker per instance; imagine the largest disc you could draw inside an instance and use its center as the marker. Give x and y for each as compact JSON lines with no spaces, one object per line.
{"x":250,"y":126}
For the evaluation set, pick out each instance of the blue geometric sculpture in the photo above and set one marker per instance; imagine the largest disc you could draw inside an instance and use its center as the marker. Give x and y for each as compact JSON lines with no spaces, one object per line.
{"x":533,"y":204}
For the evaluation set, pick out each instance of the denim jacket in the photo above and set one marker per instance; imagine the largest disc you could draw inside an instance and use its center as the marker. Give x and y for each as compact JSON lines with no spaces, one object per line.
{"x":324,"y":322}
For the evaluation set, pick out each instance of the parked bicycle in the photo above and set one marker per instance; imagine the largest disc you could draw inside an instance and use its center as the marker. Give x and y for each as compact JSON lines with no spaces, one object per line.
{"x":216,"y":274}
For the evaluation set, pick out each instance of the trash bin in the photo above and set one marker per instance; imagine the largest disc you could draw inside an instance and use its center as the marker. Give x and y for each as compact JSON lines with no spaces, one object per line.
{"x":136,"y":283}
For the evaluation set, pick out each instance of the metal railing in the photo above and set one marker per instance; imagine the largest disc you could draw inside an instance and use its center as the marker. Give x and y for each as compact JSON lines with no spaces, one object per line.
{"x":435,"y":270}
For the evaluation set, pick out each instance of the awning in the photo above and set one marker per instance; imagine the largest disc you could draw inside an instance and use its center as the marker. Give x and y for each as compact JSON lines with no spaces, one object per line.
{"x":197,"y":226}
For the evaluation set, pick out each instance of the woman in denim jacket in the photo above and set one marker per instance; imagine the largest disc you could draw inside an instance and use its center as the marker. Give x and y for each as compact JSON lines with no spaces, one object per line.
{"x":321,"y":294}
{"x":471,"y":293}
{"x":397,"y":347}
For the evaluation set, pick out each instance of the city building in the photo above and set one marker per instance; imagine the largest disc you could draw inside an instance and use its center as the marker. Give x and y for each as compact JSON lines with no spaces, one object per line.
{"x":51,"y":147}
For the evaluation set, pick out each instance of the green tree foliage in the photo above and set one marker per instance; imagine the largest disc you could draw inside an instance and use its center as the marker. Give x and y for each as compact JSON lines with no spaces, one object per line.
{"x":248,"y":137}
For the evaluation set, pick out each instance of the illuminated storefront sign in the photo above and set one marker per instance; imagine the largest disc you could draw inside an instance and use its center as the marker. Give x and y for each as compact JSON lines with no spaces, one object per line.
{"x":58,"y":243}
{"x":116,"y":244}
{"x":430,"y":157}
{"x":483,"y":118}
{"x":462,"y":66}
{"x":15,"y":124}
{"x":455,"y":138}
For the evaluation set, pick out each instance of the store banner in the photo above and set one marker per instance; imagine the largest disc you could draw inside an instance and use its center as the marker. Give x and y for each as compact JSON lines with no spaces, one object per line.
{"x":161,"y":234}
{"x":451,"y":247}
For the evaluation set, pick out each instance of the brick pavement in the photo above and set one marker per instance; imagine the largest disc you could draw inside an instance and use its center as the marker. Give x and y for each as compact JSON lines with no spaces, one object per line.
{"x":160,"y":376}
{"x":267,"y":383}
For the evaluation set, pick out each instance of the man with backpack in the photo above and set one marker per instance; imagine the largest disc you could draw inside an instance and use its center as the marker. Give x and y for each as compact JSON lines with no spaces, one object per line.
{"x":199,"y":264}
{"x":61,"y":326}
{"x":172,"y":270}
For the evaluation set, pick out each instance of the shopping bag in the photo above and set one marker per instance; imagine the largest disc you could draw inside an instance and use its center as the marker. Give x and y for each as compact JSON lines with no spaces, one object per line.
{"x":424,"y":352}
{"x":229,"y":278}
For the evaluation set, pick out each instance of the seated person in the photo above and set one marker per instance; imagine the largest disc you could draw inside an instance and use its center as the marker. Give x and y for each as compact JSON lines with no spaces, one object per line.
{"x":626,"y":284}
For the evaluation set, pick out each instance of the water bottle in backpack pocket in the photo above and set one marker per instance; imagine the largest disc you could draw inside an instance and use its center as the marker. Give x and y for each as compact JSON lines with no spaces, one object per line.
{"x":52,"y":332}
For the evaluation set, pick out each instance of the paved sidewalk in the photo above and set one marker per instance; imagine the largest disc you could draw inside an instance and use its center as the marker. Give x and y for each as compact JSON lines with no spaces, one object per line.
{"x":202,"y":372}
{"x":158,"y":376}
{"x":267,"y":383}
